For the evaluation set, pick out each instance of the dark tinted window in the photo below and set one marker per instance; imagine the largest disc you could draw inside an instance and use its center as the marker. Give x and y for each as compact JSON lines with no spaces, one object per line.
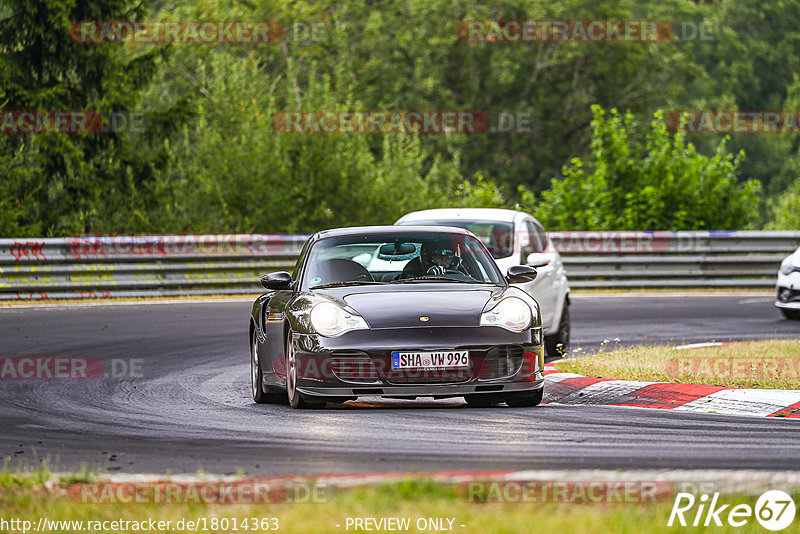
{"x":531,"y":239}
{"x":542,"y":235}
{"x":498,"y":237}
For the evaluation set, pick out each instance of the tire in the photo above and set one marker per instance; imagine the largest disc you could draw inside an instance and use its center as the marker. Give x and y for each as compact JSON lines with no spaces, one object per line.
{"x":296,"y":399}
{"x":557,"y":345}
{"x":481,"y":401}
{"x":525,"y":400}
{"x":794,"y":315}
{"x":257,"y":376}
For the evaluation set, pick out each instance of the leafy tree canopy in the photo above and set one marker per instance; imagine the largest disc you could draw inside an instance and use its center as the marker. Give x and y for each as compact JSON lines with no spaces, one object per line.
{"x":659,"y":183}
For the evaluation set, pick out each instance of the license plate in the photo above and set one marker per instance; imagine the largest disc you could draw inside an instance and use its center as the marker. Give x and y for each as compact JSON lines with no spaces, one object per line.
{"x":430,"y":360}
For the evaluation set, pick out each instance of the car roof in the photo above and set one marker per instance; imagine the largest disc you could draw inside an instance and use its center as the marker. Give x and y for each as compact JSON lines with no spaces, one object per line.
{"x":377,"y":230}
{"x":490,"y":214}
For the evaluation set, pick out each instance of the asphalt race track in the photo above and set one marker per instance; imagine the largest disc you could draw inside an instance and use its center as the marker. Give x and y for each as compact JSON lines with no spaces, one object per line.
{"x":190,"y":406}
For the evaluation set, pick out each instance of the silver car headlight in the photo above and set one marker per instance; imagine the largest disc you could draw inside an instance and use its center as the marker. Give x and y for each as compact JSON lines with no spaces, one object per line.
{"x":511,"y":313}
{"x":787,"y":268}
{"x":330,"y":320}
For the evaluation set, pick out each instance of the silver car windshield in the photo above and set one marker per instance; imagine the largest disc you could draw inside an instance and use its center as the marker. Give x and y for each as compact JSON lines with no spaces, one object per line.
{"x":498,"y":236}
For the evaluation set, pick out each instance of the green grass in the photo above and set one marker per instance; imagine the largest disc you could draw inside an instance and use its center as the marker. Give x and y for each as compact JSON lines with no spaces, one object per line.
{"x":81,"y":475}
{"x":413,"y":498}
{"x":16,"y":478}
{"x":773,"y":364}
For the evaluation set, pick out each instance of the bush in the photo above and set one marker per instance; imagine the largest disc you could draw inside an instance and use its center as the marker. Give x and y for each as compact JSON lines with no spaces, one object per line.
{"x":661,"y":183}
{"x":785,"y":209}
{"x":231,"y":171}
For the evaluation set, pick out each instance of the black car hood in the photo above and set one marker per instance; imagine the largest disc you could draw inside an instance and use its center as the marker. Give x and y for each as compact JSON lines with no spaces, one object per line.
{"x":405,"y":306}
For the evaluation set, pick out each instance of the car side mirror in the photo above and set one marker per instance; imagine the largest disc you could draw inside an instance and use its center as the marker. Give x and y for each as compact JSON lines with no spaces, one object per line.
{"x":279,"y":280}
{"x":537,"y":259}
{"x":519,"y":274}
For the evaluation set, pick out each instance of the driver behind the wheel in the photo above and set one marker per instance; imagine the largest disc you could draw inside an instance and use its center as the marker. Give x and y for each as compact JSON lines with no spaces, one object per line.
{"x":435,"y":259}
{"x":442,"y":259}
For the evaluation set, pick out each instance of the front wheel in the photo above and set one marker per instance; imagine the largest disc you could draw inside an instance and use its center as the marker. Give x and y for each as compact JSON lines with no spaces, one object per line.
{"x":557,"y":345}
{"x":296,"y":399}
{"x":525,"y":400}
{"x":791,"y":314}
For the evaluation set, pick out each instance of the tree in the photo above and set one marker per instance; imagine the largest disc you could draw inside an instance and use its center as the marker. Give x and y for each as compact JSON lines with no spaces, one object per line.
{"x":749,"y":63}
{"x":785,"y":209}
{"x":211,"y":145}
{"x":406,"y":54}
{"x":660,"y":183}
{"x":70,"y":179}
{"x":231,"y":169}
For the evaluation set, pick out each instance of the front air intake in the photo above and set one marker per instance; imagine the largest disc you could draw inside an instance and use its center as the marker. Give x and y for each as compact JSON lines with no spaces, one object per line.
{"x":354,"y":367}
{"x":501,"y":362}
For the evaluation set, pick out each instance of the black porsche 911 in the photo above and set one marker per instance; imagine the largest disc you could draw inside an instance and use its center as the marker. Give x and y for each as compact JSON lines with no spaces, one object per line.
{"x":401,"y":312}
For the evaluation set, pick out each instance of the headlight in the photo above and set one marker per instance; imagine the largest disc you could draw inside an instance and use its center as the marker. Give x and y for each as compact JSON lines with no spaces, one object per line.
{"x":511,"y":313}
{"x":787,"y":268}
{"x":330,"y":320}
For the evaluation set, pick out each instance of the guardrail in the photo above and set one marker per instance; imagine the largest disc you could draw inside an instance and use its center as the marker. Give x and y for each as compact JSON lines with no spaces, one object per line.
{"x":743,"y":259}
{"x":141,"y":266}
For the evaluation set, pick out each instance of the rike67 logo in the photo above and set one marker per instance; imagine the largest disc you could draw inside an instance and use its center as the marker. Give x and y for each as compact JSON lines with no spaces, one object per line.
{"x":774,"y":510}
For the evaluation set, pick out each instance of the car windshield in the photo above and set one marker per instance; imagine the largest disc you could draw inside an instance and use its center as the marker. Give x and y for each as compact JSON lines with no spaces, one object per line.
{"x":399,"y":257}
{"x":496,"y":235}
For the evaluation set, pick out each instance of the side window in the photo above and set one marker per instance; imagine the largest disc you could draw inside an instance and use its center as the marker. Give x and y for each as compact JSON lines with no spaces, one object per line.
{"x":542,"y":235}
{"x":529,"y":240}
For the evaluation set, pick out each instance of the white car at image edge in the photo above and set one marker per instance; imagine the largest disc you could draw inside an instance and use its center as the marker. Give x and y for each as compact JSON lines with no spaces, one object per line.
{"x":516,"y":238}
{"x":788,"y":286}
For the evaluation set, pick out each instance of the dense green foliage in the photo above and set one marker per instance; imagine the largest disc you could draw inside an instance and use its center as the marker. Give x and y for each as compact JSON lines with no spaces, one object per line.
{"x":662,"y":183}
{"x":60,"y":183}
{"x":210,"y":160}
{"x":786,"y":209}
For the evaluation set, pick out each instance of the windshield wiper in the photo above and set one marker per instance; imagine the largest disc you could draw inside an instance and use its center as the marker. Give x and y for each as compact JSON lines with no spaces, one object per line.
{"x":349,"y":283}
{"x":435,"y":279}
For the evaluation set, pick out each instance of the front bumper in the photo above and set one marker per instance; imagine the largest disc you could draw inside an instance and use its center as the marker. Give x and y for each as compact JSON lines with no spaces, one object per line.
{"x":437,"y":391}
{"x":788,"y":297}
{"x":359,"y":363}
